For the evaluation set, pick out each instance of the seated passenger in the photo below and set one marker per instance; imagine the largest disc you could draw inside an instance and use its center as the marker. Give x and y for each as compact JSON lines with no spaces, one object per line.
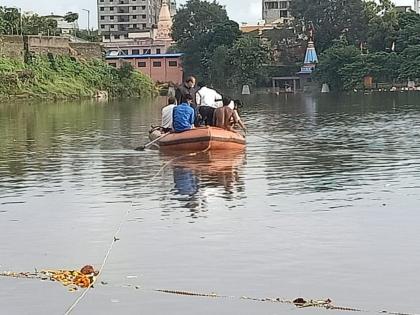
{"x":224,"y":117}
{"x":184,"y":115}
{"x":167,"y":114}
{"x":236,"y":105}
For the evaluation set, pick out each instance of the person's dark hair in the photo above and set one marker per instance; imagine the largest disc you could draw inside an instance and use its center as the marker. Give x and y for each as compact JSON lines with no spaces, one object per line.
{"x":189,"y":97}
{"x":226,"y":100}
{"x":190,"y":79}
{"x":171,"y":100}
{"x":238,"y":103}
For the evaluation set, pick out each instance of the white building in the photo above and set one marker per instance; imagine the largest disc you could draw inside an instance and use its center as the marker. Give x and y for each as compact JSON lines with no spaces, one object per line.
{"x":62,"y":25}
{"x":417,"y":6}
{"x":276,"y":11}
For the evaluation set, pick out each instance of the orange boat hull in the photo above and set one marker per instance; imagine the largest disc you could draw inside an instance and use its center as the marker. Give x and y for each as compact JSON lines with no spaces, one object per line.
{"x":200,"y":139}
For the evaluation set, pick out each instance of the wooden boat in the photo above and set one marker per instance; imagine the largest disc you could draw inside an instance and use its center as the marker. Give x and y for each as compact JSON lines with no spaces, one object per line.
{"x":200,"y":139}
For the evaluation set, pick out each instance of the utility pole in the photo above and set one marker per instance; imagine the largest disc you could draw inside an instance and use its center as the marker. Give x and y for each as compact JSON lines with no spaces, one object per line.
{"x":88,"y":12}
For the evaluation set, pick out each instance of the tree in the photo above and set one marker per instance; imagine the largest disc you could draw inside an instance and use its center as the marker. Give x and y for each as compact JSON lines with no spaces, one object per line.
{"x":248,"y":56}
{"x":35,"y":24}
{"x":10,"y":23}
{"x":199,"y":28}
{"x":332,"y":19}
{"x":333,"y":62}
{"x":71,"y":17}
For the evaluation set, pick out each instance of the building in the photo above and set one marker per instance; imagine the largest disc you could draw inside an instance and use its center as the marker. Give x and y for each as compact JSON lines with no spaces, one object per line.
{"x":147,"y":51}
{"x":403,"y":8}
{"x":259,"y":27}
{"x":118,"y":18}
{"x":161,"y":68}
{"x":153,"y":41}
{"x":417,"y":6}
{"x":303,"y":79}
{"x":63,"y":26}
{"x":276,"y":11}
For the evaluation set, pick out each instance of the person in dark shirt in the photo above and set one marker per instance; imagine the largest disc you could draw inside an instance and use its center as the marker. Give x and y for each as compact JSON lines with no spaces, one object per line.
{"x":187,"y":88}
{"x":184,"y":116}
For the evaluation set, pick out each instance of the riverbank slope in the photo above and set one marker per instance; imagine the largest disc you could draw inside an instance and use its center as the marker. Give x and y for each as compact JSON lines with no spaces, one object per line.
{"x":66,"y":77}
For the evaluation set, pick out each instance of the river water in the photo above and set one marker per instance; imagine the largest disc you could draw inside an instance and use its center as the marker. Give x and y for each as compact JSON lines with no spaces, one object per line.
{"x":324,"y":203}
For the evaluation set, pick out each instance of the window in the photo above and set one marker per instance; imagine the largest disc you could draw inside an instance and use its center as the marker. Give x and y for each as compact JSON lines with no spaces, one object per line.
{"x":111,"y":9}
{"x":283,"y":13}
{"x":157,"y":64}
{"x":107,"y":37}
{"x":173,"y":63}
{"x":117,"y":36}
{"x":272,"y":5}
{"x":124,"y":52}
{"x":103,"y":26}
{"x":141,"y":64}
{"x":143,"y":16}
{"x":101,"y":1}
{"x":112,"y":26}
{"x":102,"y":18}
{"x":134,"y":8}
{"x":146,"y":51}
{"x":111,"y":17}
{"x":135,"y":17}
{"x":135,"y":52}
{"x":134,"y":25}
{"x":102,"y":9}
{"x":158,"y":51}
{"x":144,"y":25}
{"x":125,"y":35}
{"x":113,"y":64}
{"x":283,"y":5}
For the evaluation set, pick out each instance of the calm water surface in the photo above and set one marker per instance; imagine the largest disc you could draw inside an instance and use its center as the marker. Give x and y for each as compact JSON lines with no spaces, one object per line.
{"x":324,"y":203}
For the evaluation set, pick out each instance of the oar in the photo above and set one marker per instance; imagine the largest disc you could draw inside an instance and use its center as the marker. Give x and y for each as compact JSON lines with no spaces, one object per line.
{"x":144,"y":147}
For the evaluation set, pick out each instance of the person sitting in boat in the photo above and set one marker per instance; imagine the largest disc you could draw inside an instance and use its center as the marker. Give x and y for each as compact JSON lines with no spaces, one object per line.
{"x":224,"y":117}
{"x":235,"y":105}
{"x":167,"y":114}
{"x":207,"y":101}
{"x":184,"y":115}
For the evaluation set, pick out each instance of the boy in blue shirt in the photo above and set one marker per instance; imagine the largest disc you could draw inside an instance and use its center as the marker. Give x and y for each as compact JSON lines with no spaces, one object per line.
{"x":184,"y":115}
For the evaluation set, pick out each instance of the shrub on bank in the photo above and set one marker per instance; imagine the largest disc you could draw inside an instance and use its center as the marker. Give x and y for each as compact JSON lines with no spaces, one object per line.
{"x":67,"y":77}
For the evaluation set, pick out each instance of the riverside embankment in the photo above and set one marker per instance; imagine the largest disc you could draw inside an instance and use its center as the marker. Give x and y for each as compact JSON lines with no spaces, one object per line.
{"x":55,"y":68}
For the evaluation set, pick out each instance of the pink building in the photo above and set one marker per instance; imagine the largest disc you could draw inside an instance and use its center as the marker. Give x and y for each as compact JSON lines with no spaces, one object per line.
{"x":160,"y":67}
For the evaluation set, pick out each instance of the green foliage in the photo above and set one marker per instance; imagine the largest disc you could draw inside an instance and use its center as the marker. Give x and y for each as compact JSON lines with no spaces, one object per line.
{"x":12,"y":22}
{"x":215,"y":50}
{"x":71,"y":17}
{"x":247,"y":56}
{"x":332,"y":19}
{"x":199,"y":28}
{"x":66,"y":77}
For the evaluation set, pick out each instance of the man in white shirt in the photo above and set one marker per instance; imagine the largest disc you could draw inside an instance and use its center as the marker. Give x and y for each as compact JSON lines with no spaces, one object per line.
{"x":207,"y":101}
{"x":167,"y":115}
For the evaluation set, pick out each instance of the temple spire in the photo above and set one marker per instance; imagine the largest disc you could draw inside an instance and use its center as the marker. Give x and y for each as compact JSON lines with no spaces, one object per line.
{"x":165,"y":22}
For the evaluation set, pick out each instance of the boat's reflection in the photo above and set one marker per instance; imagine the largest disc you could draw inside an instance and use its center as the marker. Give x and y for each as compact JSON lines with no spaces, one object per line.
{"x":201,"y":177}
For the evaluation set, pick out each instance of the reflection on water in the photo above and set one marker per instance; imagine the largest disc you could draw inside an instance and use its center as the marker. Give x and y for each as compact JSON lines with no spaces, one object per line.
{"x":196,"y":176}
{"x":323,"y":203}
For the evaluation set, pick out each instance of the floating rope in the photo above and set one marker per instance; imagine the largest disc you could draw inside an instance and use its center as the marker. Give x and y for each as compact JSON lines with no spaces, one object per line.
{"x":116,"y":234}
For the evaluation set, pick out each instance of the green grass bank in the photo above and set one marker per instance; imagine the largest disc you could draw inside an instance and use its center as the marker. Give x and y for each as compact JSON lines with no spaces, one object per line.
{"x":65,"y":77}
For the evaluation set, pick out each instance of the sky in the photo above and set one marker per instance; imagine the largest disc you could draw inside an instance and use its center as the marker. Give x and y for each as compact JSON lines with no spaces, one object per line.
{"x":238,"y":10}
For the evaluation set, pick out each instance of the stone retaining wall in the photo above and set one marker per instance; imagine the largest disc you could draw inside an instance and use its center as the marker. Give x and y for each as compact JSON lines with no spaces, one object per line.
{"x":16,"y":46}
{"x":12,"y":47}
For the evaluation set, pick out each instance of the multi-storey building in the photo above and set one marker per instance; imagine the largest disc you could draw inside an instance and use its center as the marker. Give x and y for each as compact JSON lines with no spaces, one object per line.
{"x":123,"y":19}
{"x":276,"y":11}
{"x":417,"y":6}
